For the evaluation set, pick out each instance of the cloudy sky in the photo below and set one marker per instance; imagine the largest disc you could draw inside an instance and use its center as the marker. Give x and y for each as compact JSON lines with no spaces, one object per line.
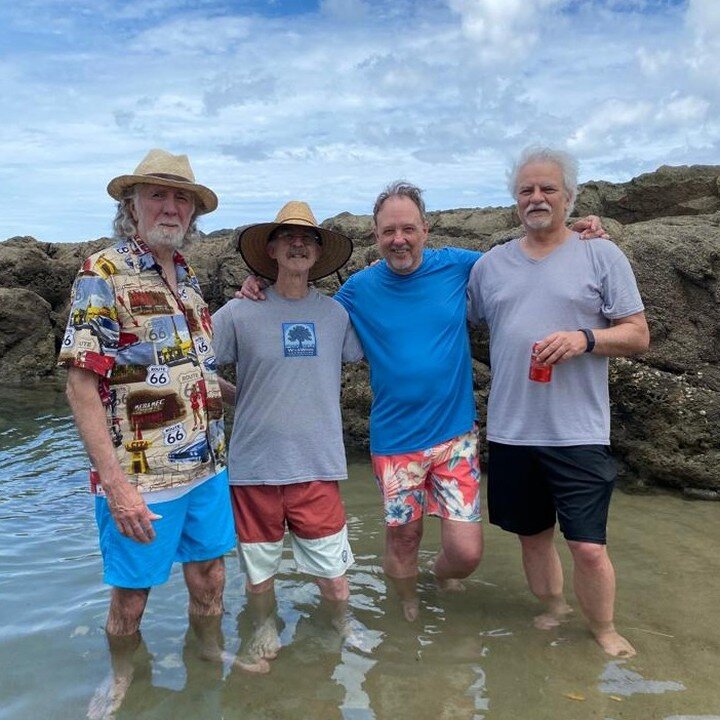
{"x":327,"y":101}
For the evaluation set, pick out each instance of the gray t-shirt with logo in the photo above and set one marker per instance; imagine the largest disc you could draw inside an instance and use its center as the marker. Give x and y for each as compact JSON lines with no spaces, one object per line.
{"x":288,"y":356}
{"x":581,"y":284}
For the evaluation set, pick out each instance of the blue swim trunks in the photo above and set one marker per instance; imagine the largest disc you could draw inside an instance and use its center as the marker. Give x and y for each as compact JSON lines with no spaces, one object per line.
{"x":195,"y":527}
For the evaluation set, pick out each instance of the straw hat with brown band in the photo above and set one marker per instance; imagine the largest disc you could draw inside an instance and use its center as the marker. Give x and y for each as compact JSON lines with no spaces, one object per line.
{"x":159,"y":167}
{"x":253,"y":240}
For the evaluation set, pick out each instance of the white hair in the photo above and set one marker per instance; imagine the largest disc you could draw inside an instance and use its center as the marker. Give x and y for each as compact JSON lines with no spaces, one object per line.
{"x":536,"y":154}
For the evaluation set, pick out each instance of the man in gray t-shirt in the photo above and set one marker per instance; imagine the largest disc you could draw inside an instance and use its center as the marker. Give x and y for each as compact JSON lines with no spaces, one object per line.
{"x":571,"y":305}
{"x":286,"y":451}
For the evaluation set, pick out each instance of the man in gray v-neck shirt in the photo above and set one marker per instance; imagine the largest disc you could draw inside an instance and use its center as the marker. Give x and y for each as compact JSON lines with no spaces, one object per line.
{"x":574,"y":304}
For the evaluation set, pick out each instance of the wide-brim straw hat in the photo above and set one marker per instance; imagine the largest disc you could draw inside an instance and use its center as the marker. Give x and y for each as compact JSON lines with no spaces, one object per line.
{"x":160,"y":167}
{"x":253,"y":240}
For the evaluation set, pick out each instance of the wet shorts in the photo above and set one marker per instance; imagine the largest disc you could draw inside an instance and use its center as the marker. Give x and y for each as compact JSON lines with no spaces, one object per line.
{"x":195,"y":527}
{"x":443,"y":480}
{"x":529,"y":486}
{"x":313,"y":514}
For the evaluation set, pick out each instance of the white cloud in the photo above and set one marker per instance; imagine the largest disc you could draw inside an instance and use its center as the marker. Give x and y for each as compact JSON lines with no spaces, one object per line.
{"x":195,"y":35}
{"x":607,"y":124}
{"x":330,"y":104}
{"x":503,"y":29}
{"x":682,"y":110}
{"x":703,"y":16}
{"x":655,"y":62}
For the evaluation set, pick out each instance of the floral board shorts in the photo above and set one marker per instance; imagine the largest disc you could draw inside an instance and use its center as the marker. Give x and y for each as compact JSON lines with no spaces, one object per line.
{"x":443,"y":480}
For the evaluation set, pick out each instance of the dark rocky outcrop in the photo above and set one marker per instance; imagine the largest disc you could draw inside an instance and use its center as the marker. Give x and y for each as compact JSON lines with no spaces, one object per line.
{"x":666,"y":404}
{"x":27,"y":340}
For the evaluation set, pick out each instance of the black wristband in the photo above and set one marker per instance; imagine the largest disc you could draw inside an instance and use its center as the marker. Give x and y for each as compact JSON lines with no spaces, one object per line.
{"x":589,"y":337}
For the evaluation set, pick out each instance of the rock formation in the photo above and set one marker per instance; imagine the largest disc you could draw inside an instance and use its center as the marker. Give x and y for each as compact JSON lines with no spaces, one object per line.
{"x":666,"y":404}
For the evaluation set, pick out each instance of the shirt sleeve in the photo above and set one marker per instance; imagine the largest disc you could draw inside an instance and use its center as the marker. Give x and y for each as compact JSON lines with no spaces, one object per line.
{"x":475,"y":306}
{"x":224,"y":339}
{"x":620,"y":293}
{"x":92,"y":332}
{"x":352,"y":348}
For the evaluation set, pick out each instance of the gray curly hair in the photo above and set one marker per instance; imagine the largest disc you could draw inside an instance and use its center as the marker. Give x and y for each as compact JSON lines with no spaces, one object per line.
{"x":537,"y":153}
{"x":124,"y":225}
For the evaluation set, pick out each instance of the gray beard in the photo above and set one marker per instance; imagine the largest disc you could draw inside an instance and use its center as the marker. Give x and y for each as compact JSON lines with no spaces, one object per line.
{"x":165,"y":239}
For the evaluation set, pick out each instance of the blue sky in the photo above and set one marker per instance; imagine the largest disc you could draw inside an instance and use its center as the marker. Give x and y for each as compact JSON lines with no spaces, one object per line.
{"x":328,"y":101}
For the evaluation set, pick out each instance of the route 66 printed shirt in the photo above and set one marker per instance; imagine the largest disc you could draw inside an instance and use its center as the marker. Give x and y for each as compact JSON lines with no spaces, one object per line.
{"x":152,"y":350}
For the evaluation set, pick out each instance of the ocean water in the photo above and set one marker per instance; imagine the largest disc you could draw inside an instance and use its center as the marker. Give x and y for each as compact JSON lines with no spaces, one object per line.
{"x":470,"y":656}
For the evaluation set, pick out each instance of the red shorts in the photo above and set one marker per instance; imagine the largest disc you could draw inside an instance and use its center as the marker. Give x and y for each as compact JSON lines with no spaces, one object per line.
{"x":312,"y":512}
{"x":309,"y":510}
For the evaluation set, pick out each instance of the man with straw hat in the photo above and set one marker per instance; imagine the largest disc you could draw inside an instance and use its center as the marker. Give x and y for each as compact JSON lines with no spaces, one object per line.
{"x":148,"y":407}
{"x":286,"y":450}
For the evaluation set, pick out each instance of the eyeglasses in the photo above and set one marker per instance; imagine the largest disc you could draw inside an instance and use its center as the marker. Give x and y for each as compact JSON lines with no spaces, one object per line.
{"x":307,"y":237}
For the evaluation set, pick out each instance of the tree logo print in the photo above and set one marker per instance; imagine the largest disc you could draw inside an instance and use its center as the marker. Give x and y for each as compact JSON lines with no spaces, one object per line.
{"x":299,"y":334}
{"x":299,"y":339}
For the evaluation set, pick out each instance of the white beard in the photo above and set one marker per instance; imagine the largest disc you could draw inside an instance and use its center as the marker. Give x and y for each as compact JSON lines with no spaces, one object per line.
{"x":159,"y":237}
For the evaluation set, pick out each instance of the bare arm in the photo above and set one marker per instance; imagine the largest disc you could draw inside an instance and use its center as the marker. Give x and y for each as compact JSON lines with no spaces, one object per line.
{"x":626,"y":336}
{"x":131,"y":514}
{"x":227,"y":390}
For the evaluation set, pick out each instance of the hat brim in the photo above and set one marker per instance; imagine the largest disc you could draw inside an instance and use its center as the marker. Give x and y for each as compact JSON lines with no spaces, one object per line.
{"x":252,"y":244}
{"x":208,"y":200}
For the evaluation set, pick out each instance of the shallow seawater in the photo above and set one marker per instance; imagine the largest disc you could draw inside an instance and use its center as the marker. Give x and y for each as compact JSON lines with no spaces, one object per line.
{"x":469,"y":656}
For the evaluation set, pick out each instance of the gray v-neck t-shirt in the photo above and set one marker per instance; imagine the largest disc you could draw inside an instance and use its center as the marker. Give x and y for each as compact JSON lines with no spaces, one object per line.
{"x":581,"y":284}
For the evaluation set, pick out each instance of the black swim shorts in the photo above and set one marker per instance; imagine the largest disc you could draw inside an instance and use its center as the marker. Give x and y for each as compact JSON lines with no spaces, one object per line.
{"x":530,"y":486}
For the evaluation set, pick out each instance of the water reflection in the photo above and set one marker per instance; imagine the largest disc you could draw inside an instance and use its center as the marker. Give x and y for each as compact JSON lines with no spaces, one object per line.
{"x":618,"y":680}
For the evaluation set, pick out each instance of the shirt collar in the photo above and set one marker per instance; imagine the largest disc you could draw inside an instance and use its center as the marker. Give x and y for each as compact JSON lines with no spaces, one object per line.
{"x":146,"y":257}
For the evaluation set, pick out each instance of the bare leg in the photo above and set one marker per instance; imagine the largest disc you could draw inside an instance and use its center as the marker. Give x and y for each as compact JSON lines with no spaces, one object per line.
{"x":123,"y":635}
{"x":460,"y":553}
{"x":264,"y":643}
{"x":208,"y":631}
{"x":126,"y":610}
{"x":336,"y":593}
{"x":545,"y":577}
{"x":402,"y":543}
{"x":594,"y":583}
{"x":205,"y":582}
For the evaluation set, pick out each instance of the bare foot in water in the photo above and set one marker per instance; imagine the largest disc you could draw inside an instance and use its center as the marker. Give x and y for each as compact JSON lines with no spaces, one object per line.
{"x":410,"y":608}
{"x":406,"y":590}
{"x":351,"y":632}
{"x":263,"y":646}
{"x":614,"y":644}
{"x":259,"y":666}
{"x":108,"y":697}
{"x":450,"y":584}
{"x":558,"y":611}
{"x":246,"y":663}
{"x":446,"y":584}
